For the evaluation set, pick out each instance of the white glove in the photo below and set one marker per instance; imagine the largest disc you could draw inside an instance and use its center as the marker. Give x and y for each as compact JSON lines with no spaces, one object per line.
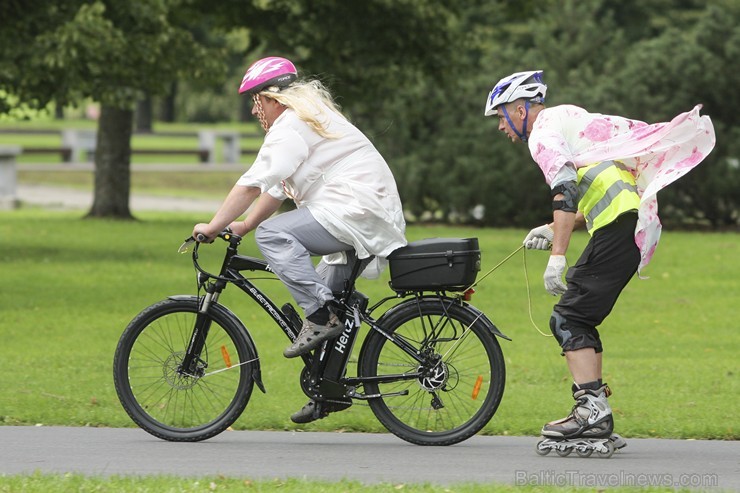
{"x":554,"y":275}
{"x":540,"y":238}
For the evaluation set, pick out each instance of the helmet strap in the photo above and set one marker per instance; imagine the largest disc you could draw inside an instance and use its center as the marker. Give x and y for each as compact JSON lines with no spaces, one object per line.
{"x":523,"y":134}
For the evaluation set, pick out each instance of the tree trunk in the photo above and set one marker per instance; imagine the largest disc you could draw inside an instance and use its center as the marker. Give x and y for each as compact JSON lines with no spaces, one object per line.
{"x":144,"y":115}
{"x":168,"y":105}
{"x":113,"y":164}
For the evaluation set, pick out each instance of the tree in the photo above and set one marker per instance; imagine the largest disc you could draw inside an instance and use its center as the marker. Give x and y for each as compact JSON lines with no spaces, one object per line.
{"x":386,"y":60}
{"x":413,"y":74}
{"x":117,"y":52}
{"x":669,"y":74}
{"x":113,"y":52}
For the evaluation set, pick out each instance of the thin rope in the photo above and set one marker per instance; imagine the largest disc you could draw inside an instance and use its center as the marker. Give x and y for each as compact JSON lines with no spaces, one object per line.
{"x":529,"y":297}
{"x":493,"y":269}
{"x":526,"y":282}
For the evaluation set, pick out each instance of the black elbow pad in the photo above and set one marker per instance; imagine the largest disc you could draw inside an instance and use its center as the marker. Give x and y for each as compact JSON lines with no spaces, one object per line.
{"x":569,"y":202}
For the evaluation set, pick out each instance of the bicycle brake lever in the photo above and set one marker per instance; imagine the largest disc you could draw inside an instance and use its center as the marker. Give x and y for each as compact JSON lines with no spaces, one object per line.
{"x":186,"y":245}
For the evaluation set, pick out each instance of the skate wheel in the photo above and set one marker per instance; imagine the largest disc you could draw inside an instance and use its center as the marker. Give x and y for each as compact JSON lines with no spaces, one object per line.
{"x":609,"y":450}
{"x":584,"y":453}
{"x":542,"y":450}
{"x":564,"y":452}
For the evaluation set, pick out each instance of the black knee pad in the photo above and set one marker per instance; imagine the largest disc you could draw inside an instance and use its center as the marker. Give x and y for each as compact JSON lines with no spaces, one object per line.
{"x":572,"y":337}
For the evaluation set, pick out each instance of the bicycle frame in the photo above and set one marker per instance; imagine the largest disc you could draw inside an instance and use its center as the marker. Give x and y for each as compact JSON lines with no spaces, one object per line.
{"x":329,"y":366}
{"x":326,"y":367}
{"x":331,"y":359}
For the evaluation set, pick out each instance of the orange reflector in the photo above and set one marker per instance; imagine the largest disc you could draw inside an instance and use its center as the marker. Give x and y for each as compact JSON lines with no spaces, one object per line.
{"x":467,"y":295}
{"x":476,"y":387}
{"x":225,"y":355}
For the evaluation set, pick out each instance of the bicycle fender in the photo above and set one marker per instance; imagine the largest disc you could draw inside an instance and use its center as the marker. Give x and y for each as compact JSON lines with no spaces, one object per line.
{"x":257,"y":373}
{"x":494,"y":330}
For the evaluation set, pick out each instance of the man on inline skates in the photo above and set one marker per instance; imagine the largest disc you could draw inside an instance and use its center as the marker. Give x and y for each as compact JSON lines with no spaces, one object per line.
{"x":604,"y":173}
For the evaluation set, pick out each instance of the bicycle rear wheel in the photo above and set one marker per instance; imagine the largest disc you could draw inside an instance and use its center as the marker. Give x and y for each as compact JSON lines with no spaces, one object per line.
{"x":167,"y":402}
{"x":463,"y":372}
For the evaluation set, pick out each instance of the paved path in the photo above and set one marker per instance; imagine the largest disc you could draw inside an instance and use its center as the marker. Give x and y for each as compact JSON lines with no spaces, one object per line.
{"x":367,"y":458}
{"x":70,"y":198}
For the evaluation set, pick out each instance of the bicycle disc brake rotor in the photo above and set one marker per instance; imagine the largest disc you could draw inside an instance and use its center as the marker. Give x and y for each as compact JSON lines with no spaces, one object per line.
{"x":174,"y":376}
{"x":435,"y":378}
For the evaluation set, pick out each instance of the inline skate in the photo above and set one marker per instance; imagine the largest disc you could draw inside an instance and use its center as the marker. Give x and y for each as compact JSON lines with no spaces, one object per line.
{"x":587,"y":429}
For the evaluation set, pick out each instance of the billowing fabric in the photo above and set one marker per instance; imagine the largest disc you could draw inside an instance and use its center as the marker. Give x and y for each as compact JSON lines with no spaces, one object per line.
{"x":344,"y":181}
{"x":657,"y":154}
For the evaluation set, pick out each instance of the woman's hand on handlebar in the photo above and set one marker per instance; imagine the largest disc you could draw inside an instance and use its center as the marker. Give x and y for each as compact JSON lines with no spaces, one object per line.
{"x":204,"y":233}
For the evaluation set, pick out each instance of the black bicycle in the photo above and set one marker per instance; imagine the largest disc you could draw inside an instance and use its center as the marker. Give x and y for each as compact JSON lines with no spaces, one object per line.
{"x":430,"y":367}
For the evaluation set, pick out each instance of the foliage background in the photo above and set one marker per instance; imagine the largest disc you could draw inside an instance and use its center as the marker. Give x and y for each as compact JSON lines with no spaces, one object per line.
{"x":413,"y":74}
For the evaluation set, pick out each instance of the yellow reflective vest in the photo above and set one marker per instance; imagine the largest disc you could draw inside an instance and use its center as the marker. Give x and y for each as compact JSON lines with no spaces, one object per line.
{"x":606,"y":190}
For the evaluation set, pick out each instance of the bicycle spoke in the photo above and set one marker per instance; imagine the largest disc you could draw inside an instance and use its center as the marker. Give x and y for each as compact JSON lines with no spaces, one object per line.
{"x":454,"y":395}
{"x":159,"y":395}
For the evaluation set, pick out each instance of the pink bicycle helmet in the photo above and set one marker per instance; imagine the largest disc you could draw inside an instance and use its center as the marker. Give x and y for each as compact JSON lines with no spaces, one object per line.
{"x":267,"y":72}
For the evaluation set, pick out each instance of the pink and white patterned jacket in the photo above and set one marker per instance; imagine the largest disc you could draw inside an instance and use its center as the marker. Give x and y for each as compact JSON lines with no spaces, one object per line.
{"x":658,"y":154}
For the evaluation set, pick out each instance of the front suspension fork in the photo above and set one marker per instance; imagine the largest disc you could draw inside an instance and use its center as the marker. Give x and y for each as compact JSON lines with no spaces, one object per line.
{"x":191,"y":359}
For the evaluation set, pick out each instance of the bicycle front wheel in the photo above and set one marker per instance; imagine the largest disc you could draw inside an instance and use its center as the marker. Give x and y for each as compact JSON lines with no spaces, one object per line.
{"x":459,"y":383}
{"x":168,"y":402}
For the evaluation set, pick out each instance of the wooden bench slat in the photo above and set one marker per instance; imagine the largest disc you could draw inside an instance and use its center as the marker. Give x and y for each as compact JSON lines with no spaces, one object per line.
{"x":66,"y":152}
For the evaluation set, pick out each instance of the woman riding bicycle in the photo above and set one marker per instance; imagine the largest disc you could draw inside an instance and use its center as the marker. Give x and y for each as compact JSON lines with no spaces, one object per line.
{"x":348,"y":207}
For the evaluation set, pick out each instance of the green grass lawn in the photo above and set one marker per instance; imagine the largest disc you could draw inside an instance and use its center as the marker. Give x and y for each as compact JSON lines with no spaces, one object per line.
{"x":70,"y":286}
{"x":75,"y":483}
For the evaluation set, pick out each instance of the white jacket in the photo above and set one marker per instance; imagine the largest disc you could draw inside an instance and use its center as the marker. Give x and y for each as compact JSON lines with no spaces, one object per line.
{"x":344,"y":181}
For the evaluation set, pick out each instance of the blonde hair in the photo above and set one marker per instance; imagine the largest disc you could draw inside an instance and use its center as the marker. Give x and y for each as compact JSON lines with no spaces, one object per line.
{"x":305,"y":98}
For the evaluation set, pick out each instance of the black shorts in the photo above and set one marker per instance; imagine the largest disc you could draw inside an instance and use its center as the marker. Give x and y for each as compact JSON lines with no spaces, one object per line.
{"x":596,"y":280}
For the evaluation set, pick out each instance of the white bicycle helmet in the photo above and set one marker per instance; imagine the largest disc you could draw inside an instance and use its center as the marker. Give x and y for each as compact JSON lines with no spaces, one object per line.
{"x":527,"y":85}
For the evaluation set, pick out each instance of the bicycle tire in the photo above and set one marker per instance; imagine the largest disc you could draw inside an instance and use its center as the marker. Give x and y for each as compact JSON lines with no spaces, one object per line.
{"x":178,"y":407}
{"x":469,"y":383}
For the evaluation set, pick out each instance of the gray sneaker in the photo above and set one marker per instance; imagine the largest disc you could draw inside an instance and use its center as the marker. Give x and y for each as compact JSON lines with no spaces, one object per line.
{"x":318,"y":410}
{"x":312,"y":335}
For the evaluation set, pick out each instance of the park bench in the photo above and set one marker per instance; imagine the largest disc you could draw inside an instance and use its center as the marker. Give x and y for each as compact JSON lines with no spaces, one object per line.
{"x":78,"y":145}
{"x":8,"y":177}
{"x":203,"y":154}
{"x":64,"y":152}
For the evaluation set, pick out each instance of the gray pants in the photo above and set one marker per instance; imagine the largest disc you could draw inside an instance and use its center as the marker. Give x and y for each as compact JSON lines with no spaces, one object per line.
{"x":287,"y":241}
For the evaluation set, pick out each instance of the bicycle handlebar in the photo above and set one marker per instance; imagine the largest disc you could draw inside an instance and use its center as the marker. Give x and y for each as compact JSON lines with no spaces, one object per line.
{"x":199,"y":238}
